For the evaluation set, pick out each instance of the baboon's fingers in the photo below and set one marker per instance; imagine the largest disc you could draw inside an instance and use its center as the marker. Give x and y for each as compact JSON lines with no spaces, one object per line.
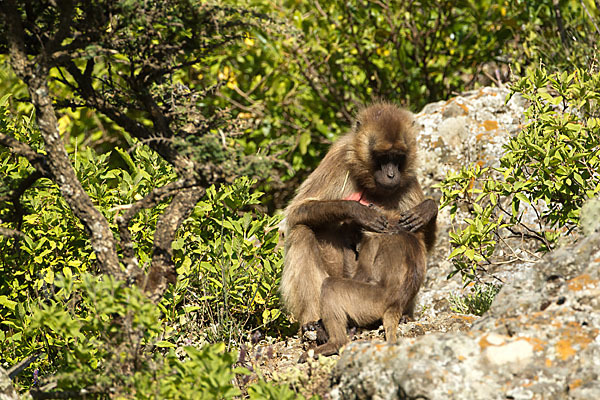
{"x":406,"y":216}
{"x":410,"y":221}
{"x":414,"y":225}
{"x":378,"y":224}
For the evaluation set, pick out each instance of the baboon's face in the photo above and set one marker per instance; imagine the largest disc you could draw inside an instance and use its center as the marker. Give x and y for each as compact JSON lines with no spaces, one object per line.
{"x":388,"y":169}
{"x":382,"y":156}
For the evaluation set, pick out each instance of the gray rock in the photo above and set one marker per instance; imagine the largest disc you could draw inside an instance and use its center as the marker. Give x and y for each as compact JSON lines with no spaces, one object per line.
{"x":7,"y":391}
{"x":468,"y":128}
{"x":590,"y":217}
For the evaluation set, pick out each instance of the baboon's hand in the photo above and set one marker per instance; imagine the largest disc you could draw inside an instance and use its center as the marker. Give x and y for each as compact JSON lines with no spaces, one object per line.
{"x":414,"y":219}
{"x":314,"y":332}
{"x":370,"y":219}
{"x":410,"y":221}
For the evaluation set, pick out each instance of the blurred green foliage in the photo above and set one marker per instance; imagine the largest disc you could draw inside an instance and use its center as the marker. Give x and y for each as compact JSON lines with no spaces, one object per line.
{"x":298,"y":91}
{"x":302,"y":90}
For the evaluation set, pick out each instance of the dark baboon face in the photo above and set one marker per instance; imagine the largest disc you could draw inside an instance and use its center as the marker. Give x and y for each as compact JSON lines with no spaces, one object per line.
{"x":388,"y":170}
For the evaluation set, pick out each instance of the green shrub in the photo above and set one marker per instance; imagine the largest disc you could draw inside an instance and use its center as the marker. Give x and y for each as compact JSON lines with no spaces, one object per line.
{"x":51,"y":307}
{"x":477,"y":302}
{"x":332,"y":57}
{"x":550,"y":169}
{"x":562,"y":34}
{"x":82,"y":343}
{"x":229,"y":266}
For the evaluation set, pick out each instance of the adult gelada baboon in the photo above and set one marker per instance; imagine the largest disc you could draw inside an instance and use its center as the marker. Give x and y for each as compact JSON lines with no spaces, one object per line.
{"x":362,"y":259}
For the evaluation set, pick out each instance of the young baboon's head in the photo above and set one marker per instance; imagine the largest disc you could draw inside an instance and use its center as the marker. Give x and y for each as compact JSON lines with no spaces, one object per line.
{"x":382,"y":156}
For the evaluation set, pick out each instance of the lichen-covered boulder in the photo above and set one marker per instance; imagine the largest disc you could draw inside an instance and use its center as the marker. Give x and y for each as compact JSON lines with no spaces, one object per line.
{"x":7,"y":391}
{"x":541,"y":337}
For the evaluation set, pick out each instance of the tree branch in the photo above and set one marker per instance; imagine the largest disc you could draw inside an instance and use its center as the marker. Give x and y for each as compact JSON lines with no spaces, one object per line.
{"x":11,"y":233}
{"x":37,"y":160}
{"x":94,"y":100}
{"x":35,"y":74}
{"x":150,"y":200}
{"x":15,"y":197}
{"x":162,"y":271}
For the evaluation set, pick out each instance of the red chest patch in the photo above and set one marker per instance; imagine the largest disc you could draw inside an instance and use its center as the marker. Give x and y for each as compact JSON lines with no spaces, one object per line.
{"x":358,"y":196}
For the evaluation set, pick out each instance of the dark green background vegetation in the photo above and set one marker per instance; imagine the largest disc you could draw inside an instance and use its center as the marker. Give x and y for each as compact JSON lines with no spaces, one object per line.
{"x":269,"y":90}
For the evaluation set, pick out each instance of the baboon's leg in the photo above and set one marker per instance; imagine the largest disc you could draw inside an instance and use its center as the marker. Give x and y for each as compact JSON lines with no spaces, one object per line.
{"x":391,"y":317}
{"x":343,"y":299}
{"x":302,"y":275}
{"x":403,"y":259}
{"x":409,"y":310}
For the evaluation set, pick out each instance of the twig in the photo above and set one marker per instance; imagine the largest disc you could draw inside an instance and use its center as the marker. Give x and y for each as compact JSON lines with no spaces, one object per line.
{"x":19,"y":367}
{"x":37,"y":160}
{"x":513,"y":251}
{"x":11,"y":233}
{"x":559,"y":23}
{"x":590,"y":16}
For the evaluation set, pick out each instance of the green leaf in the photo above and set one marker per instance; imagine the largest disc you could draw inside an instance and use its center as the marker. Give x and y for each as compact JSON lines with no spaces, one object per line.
{"x":4,"y":301}
{"x":522,"y":197}
{"x":4,"y":99}
{"x":165,"y":344}
{"x":127,"y":158}
{"x":49,"y":278}
{"x":457,"y":251}
{"x":304,"y":142}
{"x":579,"y":179}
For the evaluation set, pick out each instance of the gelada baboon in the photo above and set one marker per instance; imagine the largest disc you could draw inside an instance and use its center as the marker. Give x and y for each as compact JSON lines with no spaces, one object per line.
{"x":362,"y":260}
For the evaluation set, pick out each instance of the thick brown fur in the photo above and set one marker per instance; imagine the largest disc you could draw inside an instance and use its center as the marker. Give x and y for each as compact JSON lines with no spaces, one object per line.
{"x":346,"y":260}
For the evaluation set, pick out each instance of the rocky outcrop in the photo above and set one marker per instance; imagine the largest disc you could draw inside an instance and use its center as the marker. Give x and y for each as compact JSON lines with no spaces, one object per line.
{"x":540,"y":339}
{"x":7,"y":392}
{"x":468,"y":128}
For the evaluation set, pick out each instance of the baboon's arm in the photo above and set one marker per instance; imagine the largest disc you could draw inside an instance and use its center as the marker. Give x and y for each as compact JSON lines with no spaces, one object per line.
{"x":319,"y":213}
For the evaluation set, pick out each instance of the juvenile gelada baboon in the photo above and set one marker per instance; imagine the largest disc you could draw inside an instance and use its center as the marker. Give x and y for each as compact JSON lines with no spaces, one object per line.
{"x":357,"y":232}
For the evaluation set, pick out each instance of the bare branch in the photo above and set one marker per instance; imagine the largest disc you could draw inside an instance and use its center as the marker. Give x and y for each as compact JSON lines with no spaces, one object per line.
{"x":15,"y":198}
{"x":150,"y":200}
{"x":11,"y":233}
{"x":37,"y":160}
{"x":20,"y":366}
{"x":162,"y":271}
{"x":35,"y":74}
{"x":135,"y":128}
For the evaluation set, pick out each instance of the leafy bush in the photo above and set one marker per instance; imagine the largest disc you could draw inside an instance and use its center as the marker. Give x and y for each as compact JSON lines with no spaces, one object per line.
{"x":548,"y":171}
{"x":229,"y":265}
{"x":477,"y":302}
{"x":562,"y":34}
{"x":81,"y":343}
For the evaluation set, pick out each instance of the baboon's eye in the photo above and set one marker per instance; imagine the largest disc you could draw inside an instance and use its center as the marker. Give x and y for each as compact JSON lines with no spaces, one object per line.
{"x":397,"y":159}
{"x":401,"y":161}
